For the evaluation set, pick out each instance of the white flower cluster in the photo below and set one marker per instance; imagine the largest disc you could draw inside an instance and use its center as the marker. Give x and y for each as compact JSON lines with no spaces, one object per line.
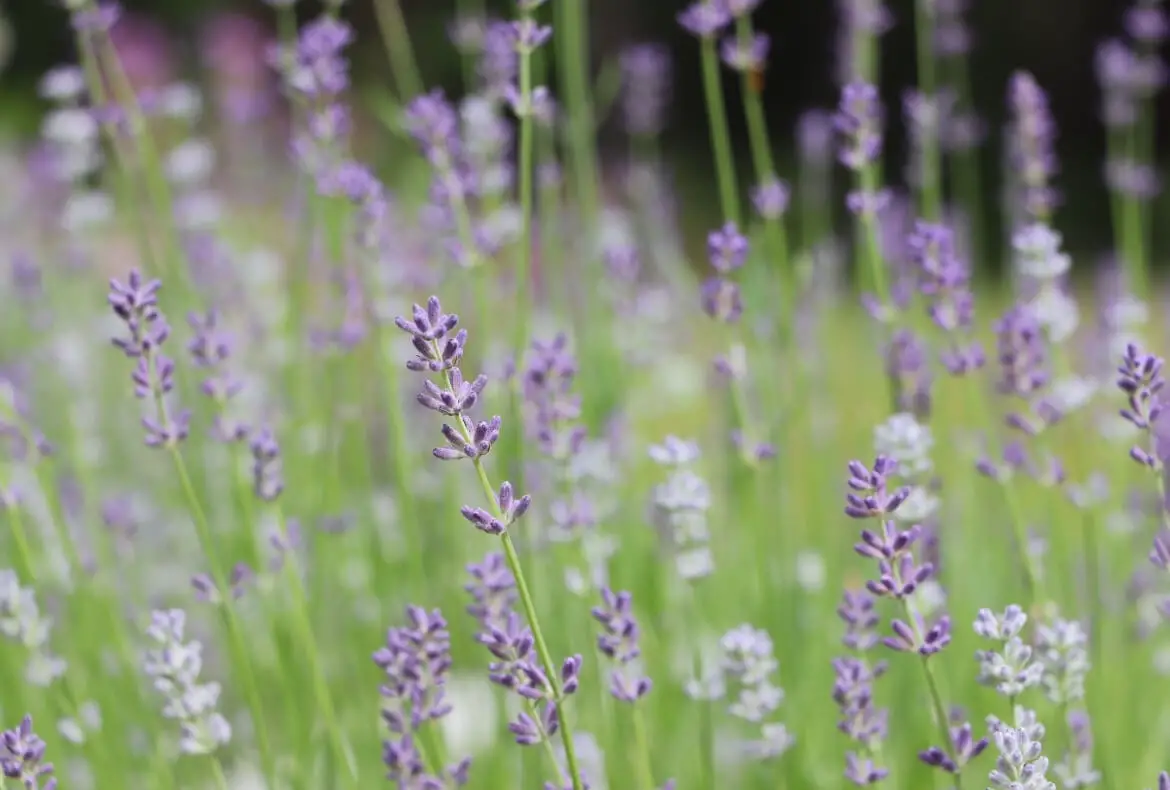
{"x":174,"y":666}
{"x":907,"y":441}
{"x":1021,"y":764}
{"x":1040,"y":259}
{"x":1063,"y":651}
{"x":21,"y":621}
{"x":1011,"y":669}
{"x":748,"y":665}
{"x":681,"y":503}
{"x":73,"y":137}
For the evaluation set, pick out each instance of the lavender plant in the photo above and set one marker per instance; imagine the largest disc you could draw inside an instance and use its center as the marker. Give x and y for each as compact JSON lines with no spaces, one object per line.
{"x":252,"y":483}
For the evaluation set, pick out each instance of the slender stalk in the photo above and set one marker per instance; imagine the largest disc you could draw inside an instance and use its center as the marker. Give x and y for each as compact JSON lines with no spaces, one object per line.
{"x":400,"y":51}
{"x":523,"y":305}
{"x":642,"y":750}
{"x":936,"y":700}
{"x":551,"y":670}
{"x":753,"y":105}
{"x":982,"y":413}
{"x":720,"y":136}
{"x":473,"y":12}
{"x":292,"y":574}
{"x":930,"y":196}
{"x":217,"y":773}
{"x":571,"y":28}
{"x":227,"y":612}
{"x":966,"y":173}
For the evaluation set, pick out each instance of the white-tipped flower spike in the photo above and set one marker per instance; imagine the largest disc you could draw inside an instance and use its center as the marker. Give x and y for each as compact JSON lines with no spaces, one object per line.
{"x":1021,"y":764}
{"x":22,"y":622}
{"x":174,"y":666}
{"x":904,"y":439}
{"x":1062,"y":647}
{"x":1011,"y":669}
{"x":1038,"y":253}
{"x":680,"y":506}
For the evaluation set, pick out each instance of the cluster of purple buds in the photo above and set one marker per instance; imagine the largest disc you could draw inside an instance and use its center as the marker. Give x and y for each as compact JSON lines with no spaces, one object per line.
{"x":646,"y":70}
{"x":554,"y":407}
{"x":136,"y":304}
{"x":1131,"y":72}
{"x":945,"y":282}
{"x":619,"y":643}
{"x":493,"y":591}
{"x":1024,"y":374}
{"x":892,"y":548}
{"x":211,"y":348}
{"x":705,"y":19}
{"x":1140,"y":378}
{"x":908,"y":369}
{"x":927,"y":116}
{"x":435,"y":126}
{"x":860,"y":20}
{"x":22,"y":757}
{"x":859,"y":122}
{"x":771,"y":198}
{"x":517,"y":668}
{"x":1033,"y":145}
{"x":435,"y":352}
{"x":316,"y":73}
{"x":267,"y":468}
{"x":498,"y":64}
{"x":727,"y":250}
{"x":746,"y":54}
{"x":964,"y":748}
{"x":861,"y":721}
{"x":415,"y":662}
{"x":952,"y":34}
{"x":534,"y":102}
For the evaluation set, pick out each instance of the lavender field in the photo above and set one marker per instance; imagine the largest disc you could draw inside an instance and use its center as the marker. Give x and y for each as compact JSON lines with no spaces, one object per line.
{"x":324,"y":468}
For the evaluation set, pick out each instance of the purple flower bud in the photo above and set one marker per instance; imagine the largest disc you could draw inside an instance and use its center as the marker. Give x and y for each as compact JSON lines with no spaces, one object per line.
{"x":705,"y":18}
{"x":859,"y":122}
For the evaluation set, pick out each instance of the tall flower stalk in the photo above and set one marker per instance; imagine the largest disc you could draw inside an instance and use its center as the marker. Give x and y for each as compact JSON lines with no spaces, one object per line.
{"x":439,"y":353}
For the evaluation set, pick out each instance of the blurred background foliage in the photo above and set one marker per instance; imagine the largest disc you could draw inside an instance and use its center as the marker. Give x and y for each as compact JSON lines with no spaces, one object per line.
{"x":1055,"y":39}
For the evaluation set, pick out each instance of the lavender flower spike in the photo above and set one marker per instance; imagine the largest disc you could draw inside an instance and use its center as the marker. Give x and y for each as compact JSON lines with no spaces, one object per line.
{"x":453,"y":396}
{"x":22,"y":755}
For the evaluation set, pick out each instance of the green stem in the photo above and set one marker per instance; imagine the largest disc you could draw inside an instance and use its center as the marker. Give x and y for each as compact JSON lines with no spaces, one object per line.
{"x":473,"y":11}
{"x":931,"y":175}
{"x":753,"y":106}
{"x":396,"y":41}
{"x":982,"y":413}
{"x":720,"y":136}
{"x":642,"y":750}
{"x":292,"y":574}
{"x":227,"y":612}
{"x":965,"y":167}
{"x":936,"y":700}
{"x":571,"y":28}
{"x":523,"y":306}
{"x":221,"y":782}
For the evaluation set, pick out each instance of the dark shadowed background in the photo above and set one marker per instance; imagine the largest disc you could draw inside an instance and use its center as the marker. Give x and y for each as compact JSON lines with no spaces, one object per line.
{"x":1055,"y":39}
